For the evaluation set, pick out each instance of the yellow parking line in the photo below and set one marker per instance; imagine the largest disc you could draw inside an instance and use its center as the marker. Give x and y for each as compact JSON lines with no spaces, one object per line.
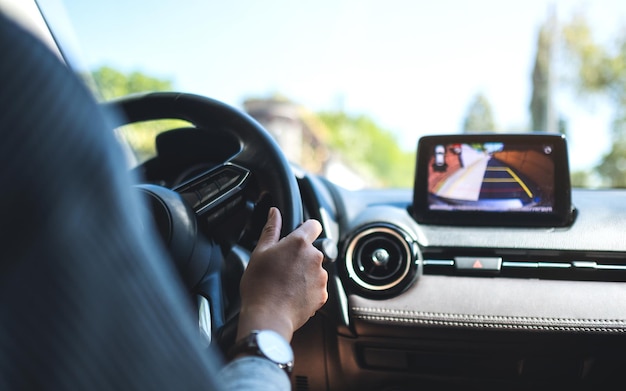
{"x":521,"y":183}
{"x":499,"y":180}
{"x":512,"y":174}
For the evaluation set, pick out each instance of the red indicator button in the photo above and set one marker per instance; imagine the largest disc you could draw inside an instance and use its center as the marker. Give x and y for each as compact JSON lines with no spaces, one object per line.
{"x":478,"y":263}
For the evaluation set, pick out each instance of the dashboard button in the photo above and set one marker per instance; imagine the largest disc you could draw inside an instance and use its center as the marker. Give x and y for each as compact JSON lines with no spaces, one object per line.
{"x":489,"y":264}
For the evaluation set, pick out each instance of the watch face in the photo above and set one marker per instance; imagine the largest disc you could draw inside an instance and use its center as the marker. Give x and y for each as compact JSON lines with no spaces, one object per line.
{"x":274,"y":347}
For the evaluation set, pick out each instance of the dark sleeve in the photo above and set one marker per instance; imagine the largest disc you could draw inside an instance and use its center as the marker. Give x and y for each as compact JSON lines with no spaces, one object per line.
{"x":87,"y":299}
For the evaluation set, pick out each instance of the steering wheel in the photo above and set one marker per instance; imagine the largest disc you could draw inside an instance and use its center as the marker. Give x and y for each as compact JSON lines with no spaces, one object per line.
{"x":241,"y":187}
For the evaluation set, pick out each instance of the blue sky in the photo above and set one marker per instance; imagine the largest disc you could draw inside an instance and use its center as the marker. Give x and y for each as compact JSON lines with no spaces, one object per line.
{"x":411,"y":65}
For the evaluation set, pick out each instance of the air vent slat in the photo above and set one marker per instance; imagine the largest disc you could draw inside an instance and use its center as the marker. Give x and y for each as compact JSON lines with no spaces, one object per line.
{"x":381,"y":260}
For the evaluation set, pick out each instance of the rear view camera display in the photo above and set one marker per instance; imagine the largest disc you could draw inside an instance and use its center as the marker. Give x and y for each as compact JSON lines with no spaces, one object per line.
{"x":494,"y":180}
{"x":491,"y":176}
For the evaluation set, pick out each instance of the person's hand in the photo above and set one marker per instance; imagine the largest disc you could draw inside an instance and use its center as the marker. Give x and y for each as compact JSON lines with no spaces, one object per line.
{"x":284,"y":283}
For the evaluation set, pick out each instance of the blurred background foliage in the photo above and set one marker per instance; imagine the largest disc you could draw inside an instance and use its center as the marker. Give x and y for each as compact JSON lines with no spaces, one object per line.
{"x":107,"y":83}
{"x":366,"y":145}
{"x":599,"y":71}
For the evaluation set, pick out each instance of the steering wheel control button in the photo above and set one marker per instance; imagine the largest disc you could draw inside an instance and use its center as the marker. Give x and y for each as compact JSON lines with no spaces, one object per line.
{"x":226,"y":179}
{"x":478,"y":264}
{"x":208,"y":192}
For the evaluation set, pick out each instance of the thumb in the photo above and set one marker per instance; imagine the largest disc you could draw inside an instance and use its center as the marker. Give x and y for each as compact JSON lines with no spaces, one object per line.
{"x":271,"y":230}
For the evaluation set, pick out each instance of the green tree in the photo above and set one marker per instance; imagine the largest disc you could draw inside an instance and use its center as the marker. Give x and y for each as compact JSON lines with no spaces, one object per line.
{"x":613,"y":164}
{"x":369,"y":148}
{"x":601,"y":70}
{"x":580,"y":178}
{"x":541,"y":109}
{"x":479,"y":117}
{"x":107,"y":83}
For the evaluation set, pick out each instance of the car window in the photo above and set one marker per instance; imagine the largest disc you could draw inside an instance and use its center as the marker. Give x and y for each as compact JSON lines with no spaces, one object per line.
{"x":347,"y":87}
{"x":140,"y":138}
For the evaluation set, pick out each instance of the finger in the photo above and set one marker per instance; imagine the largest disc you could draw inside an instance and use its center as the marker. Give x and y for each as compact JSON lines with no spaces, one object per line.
{"x":271,"y":230}
{"x":309,"y":230}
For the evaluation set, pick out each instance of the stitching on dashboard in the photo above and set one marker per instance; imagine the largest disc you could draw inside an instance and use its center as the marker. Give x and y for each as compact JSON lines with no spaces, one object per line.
{"x":536,"y":327}
{"x":490,"y":321}
{"x":478,"y":316}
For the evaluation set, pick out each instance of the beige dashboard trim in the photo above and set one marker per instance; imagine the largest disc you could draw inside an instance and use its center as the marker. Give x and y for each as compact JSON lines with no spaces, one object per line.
{"x":490,"y":322}
{"x":502,"y":304}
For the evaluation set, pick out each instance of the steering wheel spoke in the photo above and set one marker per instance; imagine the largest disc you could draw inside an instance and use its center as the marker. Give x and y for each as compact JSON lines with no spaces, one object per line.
{"x":215,"y":191}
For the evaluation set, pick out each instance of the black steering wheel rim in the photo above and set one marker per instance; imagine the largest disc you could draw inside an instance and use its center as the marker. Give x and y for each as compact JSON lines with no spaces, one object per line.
{"x":258,"y":151}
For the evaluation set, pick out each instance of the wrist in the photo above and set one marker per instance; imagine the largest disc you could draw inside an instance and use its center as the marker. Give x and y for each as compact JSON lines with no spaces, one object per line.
{"x":266,"y":344}
{"x":255,"y":318}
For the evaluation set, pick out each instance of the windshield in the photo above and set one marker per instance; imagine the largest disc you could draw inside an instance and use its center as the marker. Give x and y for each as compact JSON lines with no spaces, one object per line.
{"x":347,"y":87}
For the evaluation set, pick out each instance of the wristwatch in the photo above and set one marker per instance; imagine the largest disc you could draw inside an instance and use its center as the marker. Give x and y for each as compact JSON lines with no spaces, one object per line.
{"x":267,"y":344}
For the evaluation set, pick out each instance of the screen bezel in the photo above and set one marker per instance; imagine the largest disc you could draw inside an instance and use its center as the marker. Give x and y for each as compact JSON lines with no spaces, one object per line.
{"x":561,"y":215}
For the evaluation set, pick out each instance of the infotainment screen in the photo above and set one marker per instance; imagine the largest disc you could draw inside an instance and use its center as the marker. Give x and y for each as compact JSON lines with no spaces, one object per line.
{"x":494,"y":179}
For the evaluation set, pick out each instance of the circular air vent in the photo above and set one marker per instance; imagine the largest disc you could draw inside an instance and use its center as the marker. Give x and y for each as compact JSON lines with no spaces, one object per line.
{"x":381,"y":260}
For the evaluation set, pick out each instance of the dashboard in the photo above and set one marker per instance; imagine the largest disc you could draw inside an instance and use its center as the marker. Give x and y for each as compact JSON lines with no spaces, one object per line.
{"x":422,"y":305}
{"x":514,"y":307}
